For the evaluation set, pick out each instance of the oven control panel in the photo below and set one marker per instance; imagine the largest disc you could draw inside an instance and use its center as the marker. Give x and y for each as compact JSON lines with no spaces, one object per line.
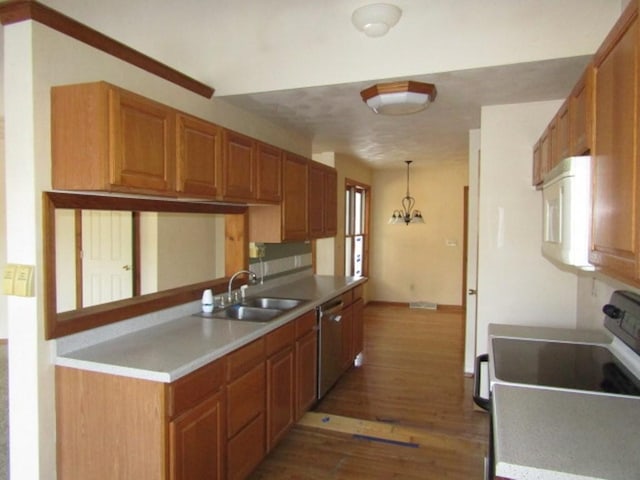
{"x":622,"y":317}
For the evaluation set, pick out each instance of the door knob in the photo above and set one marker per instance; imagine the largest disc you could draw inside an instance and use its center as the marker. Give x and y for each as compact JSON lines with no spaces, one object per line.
{"x":472,"y":291}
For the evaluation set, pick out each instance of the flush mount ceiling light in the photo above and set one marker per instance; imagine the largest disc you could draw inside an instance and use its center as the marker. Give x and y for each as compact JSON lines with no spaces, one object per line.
{"x":375,"y":20}
{"x":399,"y":98}
{"x":407,"y":214}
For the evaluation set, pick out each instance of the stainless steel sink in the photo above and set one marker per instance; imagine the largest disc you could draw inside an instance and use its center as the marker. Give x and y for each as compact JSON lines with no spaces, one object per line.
{"x":255,"y":309}
{"x":249,"y":314}
{"x":276,"y":303}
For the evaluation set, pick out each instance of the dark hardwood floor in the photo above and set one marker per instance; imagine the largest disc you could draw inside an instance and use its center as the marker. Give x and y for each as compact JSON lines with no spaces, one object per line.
{"x":410,"y":392}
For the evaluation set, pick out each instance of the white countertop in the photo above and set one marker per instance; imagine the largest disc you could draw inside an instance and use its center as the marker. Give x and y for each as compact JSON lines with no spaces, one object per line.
{"x":543,"y":433}
{"x":552,"y":434}
{"x":173,"y":349}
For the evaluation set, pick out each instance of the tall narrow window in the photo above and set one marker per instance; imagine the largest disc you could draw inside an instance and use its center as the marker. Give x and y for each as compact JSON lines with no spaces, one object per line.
{"x":356,"y":247}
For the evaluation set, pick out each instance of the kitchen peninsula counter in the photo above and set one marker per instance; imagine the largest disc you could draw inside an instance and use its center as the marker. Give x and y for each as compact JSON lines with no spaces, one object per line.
{"x":172,"y":349}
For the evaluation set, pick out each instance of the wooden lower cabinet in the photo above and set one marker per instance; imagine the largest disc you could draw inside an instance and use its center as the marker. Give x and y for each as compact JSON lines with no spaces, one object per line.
{"x":347,"y":337}
{"x":216,"y":422}
{"x":246,"y":435}
{"x":358,"y":326}
{"x":280,"y":382}
{"x":280,"y":395}
{"x":247,"y":449}
{"x":197,"y":442}
{"x":306,"y":363}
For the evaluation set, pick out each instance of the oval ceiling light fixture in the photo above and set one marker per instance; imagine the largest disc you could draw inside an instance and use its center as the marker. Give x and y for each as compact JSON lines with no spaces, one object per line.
{"x":376,"y":19}
{"x":399,"y":98}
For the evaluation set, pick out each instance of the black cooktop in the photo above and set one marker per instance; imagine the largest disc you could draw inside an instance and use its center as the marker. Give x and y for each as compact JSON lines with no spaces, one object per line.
{"x":563,"y":365}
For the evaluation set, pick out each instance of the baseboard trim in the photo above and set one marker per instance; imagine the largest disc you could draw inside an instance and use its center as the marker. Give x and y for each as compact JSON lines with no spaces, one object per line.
{"x":441,"y":308}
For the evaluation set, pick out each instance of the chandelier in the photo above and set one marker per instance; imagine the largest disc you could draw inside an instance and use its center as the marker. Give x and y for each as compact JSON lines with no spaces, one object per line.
{"x":407,"y":214}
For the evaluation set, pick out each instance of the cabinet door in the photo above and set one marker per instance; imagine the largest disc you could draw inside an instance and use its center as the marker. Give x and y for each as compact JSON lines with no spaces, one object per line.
{"x":330,"y":203}
{"x":294,"y":201}
{"x":562,"y":133}
{"x":323,"y":201}
{"x":536,"y":175}
{"x":269,"y":168}
{"x":197,"y":442}
{"x":143,"y":144}
{"x":545,"y":153}
{"x":347,"y":337}
{"x":306,"y":372}
{"x":581,"y":108}
{"x":246,"y":450}
{"x":245,"y":399}
{"x":358,"y":326}
{"x":239,"y":167}
{"x":316,"y":201}
{"x":199,"y":157}
{"x":280,"y":395}
{"x":615,"y":166}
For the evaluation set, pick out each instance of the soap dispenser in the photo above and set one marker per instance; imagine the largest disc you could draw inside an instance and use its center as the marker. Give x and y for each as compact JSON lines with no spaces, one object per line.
{"x":207,"y":301}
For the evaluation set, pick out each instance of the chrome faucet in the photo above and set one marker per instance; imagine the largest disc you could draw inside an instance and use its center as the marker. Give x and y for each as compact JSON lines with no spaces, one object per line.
{"x":252,"y":279}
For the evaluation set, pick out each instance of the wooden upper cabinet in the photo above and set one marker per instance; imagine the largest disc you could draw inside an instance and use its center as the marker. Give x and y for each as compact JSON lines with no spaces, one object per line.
{"x":616,"y":173}
{"x":239,"y":166}
{"x":536,"y":174}
{"x":545,"y":153}
{"x":323,"y":201}
{"x":295,"y":197}
{"x":561,"y":145}
{"x":581,"y":114}
{"x":199,"y":157}
{"x":105,"y":138}
{"x":269,"y":171}
{"x":331,"y":203}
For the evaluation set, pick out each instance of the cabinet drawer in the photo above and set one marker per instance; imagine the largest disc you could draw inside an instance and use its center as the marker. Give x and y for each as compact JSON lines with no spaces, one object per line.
{"x":305,"y":323}
{"x":191,"y":389}
{"x":357,"y":292}
{"x":246,"y":450}
{"x":245,"y":399}
{"x":280,"y":338}
{"x":244,"y":359}
{"x":347,"y":297}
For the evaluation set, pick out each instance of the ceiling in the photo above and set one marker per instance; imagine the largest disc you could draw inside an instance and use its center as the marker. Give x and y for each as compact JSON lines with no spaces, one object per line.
{"x":338,"y":120}
{"x":301,"y":64}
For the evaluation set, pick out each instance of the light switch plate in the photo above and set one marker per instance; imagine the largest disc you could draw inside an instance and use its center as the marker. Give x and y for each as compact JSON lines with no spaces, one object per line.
{"x":8,"y":276}
{"x":18,"y":280}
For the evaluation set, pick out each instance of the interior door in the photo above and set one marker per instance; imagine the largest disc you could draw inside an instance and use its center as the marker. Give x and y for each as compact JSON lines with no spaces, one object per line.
{"x":472,"y":251}
{"x":107,"y":263}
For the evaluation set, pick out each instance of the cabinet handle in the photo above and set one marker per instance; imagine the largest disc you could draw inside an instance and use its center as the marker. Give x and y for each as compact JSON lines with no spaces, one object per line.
{"x":336,"y":318}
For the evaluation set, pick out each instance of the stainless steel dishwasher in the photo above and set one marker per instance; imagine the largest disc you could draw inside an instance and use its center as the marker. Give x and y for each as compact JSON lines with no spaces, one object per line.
{"x":330,"y":344}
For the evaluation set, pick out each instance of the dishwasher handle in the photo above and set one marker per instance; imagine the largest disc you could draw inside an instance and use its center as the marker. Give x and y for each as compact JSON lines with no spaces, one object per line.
{"x":478,"y":399}
{"x":331,"y":310}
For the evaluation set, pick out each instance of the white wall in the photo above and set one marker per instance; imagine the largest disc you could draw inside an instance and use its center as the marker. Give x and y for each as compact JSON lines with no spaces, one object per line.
{"x":515,"y":283}
{"x":256,"y":46}
{"x":3,"y":233}
{"x":36,"y":58}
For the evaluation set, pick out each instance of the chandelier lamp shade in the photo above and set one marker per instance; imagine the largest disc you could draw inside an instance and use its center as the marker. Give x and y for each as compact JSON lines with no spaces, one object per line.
{"x":399,"y":98}
{"x":376,"y":19}
{"x":406,"y":214}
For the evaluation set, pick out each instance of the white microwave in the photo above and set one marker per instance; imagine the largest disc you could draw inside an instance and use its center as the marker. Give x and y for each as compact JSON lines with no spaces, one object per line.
{"x":566,"y":194}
